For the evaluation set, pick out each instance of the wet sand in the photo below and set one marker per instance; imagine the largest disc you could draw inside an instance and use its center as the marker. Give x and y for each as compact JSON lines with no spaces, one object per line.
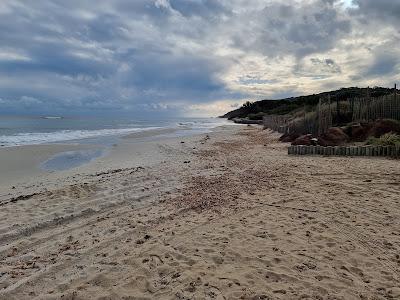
{"x":19,"y":165}
{"x":228,"y":215}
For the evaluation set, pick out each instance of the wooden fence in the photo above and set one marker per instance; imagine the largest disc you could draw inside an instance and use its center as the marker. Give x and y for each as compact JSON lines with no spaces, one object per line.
{"x":308,"y":123}
{"x":388,"y":151}
{"x":276,"y":123}
{"x":385,"y":107}
{"x":330,"y":112}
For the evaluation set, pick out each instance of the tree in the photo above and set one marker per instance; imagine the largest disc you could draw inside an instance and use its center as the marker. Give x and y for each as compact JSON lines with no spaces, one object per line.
{"x":248,"y":105}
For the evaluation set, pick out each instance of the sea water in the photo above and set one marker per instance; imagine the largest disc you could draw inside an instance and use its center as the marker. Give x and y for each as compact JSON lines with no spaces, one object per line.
{"x":32,"y":130}
{"x":102,"y":132}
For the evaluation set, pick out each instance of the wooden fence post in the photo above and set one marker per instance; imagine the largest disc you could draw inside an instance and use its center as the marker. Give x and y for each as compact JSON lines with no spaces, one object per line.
{"x":368,"y":105}
{"x":330,"y":115}
{"x":319,"y":116}
{"x":337,"y":109}
{"x":304,"y":120}
{"x":395,"y":104}
{"x":352,"y":108}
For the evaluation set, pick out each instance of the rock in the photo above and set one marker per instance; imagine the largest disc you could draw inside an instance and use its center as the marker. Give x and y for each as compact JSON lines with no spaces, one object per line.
{"x":289,"y":137}
{"x":335,"y":136}
{"x":305,"y":140}
{"x":359,"y":132}
{"x":380,"y":127}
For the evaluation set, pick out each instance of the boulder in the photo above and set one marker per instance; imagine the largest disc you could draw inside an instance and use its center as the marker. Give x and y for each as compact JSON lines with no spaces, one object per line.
{"x":305,"y":140}
{"x":289,"y":137}
{"x":380,"y":127}
{"x":359,"y":132}
{"x":335,"y":136}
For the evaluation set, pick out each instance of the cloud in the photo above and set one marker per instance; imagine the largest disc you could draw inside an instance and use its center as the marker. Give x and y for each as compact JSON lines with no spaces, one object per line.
{"x":214,"y":109}
{"x":383,"y":65}
{"x":12,"y":56}
{"x":385,"y":61}
{"x":317,"y":68}
{"x":382,"y":11}
{"x":167,"y":55}
{"x":294,"y":28}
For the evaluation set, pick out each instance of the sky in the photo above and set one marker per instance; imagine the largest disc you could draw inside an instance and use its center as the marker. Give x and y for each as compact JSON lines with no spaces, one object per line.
{"x":189,"y":57}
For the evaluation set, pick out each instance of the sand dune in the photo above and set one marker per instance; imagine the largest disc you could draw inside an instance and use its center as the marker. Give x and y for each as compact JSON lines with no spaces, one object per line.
{"x":221,"y":216}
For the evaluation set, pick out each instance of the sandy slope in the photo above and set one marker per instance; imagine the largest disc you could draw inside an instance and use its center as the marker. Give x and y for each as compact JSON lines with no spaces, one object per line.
{"x":225,"y":217}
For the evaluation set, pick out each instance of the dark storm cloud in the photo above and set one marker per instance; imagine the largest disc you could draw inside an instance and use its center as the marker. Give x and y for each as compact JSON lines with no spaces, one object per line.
{"x":380,"y":11}
{"x":379,"y":19}
{"x":298,"y":29}
{"x":205,"y":9}
{"x":170,"y":75}
{"x":122,"y":54}
{"x":193,"y":73}
{"x":385,"y":62}
{"x":87,"y":47}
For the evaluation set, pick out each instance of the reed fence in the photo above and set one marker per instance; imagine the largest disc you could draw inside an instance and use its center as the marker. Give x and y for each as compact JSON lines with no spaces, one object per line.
{"x":330,"y":112}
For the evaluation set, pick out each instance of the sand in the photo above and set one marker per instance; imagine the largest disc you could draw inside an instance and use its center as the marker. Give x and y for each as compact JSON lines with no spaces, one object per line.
{"x":22,"y":164}
{"x":227,"y":215}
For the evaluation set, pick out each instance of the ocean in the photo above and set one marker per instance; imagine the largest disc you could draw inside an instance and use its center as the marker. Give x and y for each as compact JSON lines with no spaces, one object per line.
{"x":33,"y":130}
{"x":101,"y":133}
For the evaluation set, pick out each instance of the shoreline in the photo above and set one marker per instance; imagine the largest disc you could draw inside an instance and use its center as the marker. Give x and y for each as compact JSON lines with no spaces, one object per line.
{"x":224,"y":215}
{"x":69,"y":131}
{"x":23,"y":166}
{"x":35,"y":155}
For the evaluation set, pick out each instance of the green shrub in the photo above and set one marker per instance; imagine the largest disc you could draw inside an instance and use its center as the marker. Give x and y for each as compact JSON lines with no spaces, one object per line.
{"x":284,"y":109}
{"x":257,"y":116}
{"x":388,"y":139}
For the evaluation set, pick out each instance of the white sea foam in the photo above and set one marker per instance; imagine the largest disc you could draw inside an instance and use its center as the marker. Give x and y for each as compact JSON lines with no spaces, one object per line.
{"x":34,"y":138}
{"x":202,"y":124}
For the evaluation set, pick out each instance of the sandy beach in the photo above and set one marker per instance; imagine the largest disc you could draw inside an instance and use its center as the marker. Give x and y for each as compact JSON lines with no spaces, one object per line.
{"x":224,"y":215}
